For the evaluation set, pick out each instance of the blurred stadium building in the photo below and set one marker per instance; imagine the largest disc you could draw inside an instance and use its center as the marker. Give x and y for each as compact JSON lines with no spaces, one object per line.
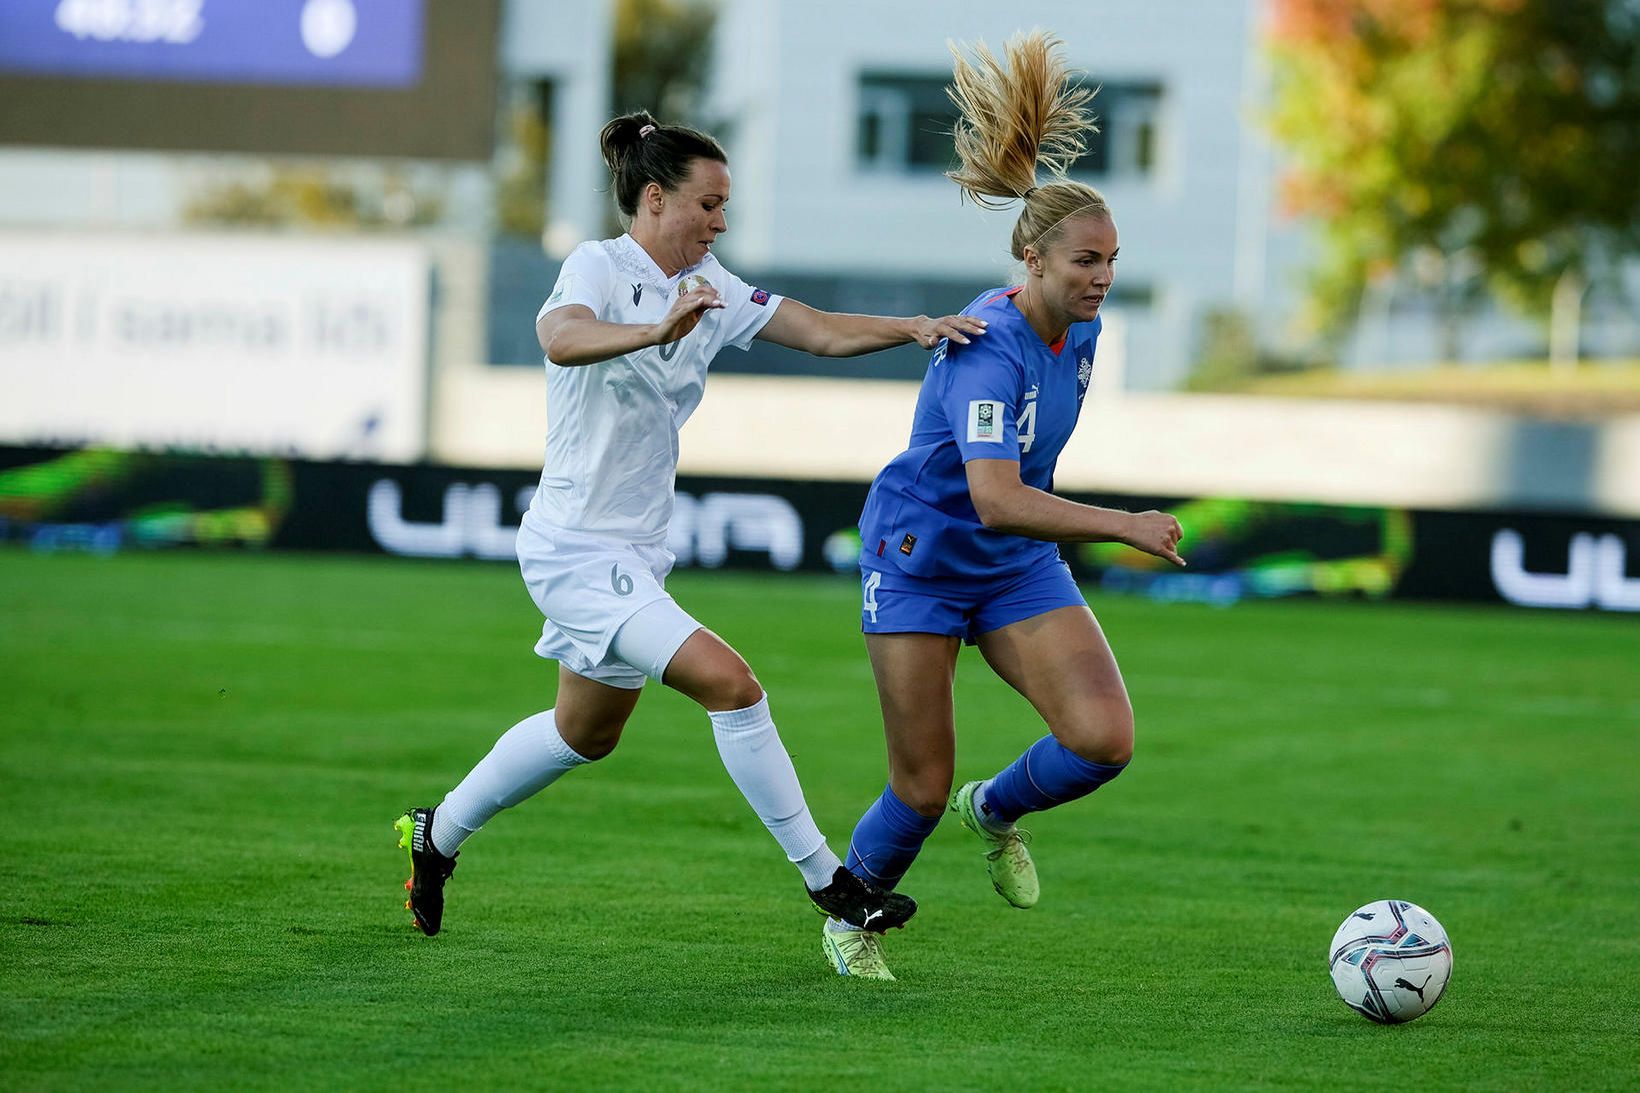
{"x":320,"y":229}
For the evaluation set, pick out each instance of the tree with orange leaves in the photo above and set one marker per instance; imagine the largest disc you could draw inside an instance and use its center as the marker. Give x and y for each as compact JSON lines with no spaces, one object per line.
{"x":1463,"y":144}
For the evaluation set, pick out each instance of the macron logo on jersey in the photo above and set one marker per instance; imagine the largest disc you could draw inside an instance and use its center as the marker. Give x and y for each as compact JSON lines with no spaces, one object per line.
{"x":985,"y":421}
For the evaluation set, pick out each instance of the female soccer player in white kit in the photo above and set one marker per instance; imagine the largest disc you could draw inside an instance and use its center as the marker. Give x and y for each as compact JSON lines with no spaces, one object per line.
{"x":628,"y":332}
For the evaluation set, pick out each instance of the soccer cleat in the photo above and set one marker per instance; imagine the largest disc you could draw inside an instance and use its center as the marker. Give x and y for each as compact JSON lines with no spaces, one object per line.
{"x":1013,"y":874}
{"x":428,"y":869}
{"x":863,"y":904}
{"x":857,"y":953}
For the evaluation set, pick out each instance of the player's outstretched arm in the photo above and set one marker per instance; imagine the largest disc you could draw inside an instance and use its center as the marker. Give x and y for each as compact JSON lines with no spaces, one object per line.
{"x":1004,"y":503}
{"x":836,"y":334}
{"x":572,"y":334}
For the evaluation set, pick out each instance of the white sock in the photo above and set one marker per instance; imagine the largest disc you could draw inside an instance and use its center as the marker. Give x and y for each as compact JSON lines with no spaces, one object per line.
{"x":528,"y":758}
{"x":818,"y":867}
{"x":993,"y":824}
{"x":757,"y":761}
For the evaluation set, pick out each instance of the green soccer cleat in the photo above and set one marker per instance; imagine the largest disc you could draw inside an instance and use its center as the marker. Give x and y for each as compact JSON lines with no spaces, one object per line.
{"x":1013,"y":874}
{"x":857,"y":953}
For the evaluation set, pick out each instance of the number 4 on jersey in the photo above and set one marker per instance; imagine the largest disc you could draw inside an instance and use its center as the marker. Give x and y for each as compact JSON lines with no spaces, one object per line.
{"x":1027,"y":422}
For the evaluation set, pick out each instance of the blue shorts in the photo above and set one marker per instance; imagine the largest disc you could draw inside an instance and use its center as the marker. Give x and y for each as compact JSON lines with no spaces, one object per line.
{"x":895,"y":603}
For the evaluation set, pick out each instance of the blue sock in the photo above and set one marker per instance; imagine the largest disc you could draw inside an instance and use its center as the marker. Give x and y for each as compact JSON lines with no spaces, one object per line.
{"x":1048,"y":774}
{"x":886,"y":840}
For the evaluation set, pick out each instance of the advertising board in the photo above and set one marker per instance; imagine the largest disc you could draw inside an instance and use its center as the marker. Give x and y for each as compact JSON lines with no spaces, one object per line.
{"x":1239,"y":550}
{"x":262,"y":345}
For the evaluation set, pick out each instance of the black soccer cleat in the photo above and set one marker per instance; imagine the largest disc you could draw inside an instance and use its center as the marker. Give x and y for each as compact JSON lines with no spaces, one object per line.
{"x":428,"y":869}
{"x":862,"y":904}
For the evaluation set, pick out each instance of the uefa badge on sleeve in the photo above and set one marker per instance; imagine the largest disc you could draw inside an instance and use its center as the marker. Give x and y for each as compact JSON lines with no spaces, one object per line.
{"x":760,"y":296}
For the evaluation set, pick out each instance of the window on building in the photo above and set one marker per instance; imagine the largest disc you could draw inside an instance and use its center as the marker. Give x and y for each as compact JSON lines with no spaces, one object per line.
{"x":905,"y":121}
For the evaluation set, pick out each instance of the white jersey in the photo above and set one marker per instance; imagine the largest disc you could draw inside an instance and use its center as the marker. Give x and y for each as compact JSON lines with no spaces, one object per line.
{"x":612,"y":427}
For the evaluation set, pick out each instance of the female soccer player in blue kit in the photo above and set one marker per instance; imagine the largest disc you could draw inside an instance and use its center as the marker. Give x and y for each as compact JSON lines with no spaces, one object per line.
{"x":959,"y":531}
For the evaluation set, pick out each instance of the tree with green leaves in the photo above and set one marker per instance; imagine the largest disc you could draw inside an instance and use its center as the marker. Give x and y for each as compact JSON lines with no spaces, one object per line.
{"x":1467,"y":145}
{"x":662,"y":49}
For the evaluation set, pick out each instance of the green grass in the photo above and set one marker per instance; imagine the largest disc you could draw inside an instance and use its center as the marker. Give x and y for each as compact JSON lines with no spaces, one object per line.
{"x":202,"y":756}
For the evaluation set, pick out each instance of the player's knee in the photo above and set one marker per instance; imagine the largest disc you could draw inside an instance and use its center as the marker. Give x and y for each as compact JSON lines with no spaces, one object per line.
{"x":1101,"y":731}
{"x":930,"y":805}
{"x":1112,"y":744}
{"x":715,"y":676}
{"x":1113,"y":753}
{"x":926,"y":795}
{"x":732,"y":689}
{"x":598,"y":747}
{"x":591,"y":738}
{"x":740,"y":688}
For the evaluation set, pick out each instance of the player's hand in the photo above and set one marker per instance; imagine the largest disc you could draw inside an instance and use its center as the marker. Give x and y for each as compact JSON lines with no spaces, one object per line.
{"x":686,"y":313}
{"x":929,"y":332}
{"x":1155,"y":533}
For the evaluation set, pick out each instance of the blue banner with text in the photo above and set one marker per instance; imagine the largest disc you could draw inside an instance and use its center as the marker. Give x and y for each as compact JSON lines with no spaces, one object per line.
{"x":351,"y":43}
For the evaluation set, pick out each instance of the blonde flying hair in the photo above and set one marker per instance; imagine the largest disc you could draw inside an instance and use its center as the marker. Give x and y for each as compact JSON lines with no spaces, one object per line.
{"x":1019,"y":115}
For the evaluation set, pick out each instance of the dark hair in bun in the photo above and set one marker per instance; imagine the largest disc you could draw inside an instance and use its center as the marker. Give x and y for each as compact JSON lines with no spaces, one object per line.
{"x":636,"y":158}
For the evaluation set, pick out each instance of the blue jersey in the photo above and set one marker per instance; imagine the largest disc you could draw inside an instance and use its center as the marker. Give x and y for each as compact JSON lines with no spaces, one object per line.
{"x":1006,"y":395}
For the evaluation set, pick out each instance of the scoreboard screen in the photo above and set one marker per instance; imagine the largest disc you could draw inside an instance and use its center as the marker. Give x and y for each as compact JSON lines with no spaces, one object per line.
{"x":326,"y":77}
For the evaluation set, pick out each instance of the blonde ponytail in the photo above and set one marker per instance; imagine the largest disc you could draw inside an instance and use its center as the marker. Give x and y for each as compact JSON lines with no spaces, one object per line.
{"x":1017,"y":116}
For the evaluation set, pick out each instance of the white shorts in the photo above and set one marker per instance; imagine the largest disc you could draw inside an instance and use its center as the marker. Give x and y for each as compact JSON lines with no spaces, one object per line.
{"x":588,"y":587}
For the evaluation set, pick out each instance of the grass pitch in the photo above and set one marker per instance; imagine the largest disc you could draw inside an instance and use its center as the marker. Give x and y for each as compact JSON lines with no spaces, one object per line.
{"x":202,"y":757}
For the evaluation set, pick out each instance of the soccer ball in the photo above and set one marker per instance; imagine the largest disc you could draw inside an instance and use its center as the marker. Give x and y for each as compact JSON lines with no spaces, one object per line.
{"x":1391,"y":961}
